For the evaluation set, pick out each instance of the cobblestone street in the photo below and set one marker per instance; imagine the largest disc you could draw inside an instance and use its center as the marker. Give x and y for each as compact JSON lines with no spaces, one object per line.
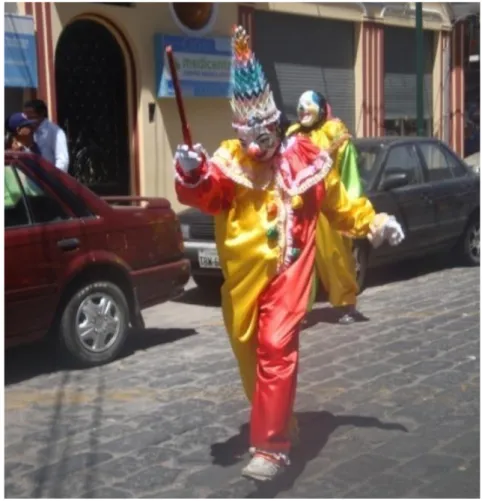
{"x":387,"y":408}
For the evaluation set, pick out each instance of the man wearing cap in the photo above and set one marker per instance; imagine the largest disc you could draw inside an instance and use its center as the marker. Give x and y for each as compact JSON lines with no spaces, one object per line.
{"x":50,"y":138}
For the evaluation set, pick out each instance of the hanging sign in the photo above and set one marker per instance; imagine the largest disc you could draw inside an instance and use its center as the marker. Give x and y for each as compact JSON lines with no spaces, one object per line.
{"x":203,"y":65}
{"x":20,"y":52}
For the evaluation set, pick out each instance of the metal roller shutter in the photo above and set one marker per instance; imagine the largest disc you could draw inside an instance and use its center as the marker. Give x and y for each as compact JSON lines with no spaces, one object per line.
{"x":300,"y":53}
{"x":400,"y":73}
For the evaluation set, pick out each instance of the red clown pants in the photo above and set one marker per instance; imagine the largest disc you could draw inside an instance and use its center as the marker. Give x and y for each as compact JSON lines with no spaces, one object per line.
{"x":282,"y":308}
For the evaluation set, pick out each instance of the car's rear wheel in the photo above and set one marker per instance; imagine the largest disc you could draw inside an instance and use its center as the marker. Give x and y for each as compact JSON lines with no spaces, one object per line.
{"x":360,"y":254}
{"x":470,"y":248}
{"x":94,"y":323}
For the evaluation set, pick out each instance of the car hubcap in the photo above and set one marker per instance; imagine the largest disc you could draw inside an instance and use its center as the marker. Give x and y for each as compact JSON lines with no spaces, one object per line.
{"x":474,"y":241}
{"x":98,"y":322}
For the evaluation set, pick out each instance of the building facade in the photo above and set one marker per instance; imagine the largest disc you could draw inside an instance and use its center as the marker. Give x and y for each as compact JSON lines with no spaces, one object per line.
{"x":100,"y":68}
{"x":20,"y":62}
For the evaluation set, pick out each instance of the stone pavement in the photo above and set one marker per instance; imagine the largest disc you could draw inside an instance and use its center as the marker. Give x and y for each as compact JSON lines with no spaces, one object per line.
{"x":387,"y":407}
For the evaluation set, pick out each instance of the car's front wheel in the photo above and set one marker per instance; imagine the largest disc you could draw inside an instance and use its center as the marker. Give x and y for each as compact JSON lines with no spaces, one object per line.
{"x":94,"y":323}
{"x":471,"y":243}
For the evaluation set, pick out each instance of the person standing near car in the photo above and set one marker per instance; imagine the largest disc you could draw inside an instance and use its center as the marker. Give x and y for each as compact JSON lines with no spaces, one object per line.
{"x":50,"y":138}
{"x":334,"y":253}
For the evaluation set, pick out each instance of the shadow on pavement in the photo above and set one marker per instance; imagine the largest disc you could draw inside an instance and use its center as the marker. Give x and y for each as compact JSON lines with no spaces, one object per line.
{"x":26,"y":362}
{"x":31,"y":361}
{"x":201,"y":297}
{"x":315,"y":431}
{"x":49,"y":479}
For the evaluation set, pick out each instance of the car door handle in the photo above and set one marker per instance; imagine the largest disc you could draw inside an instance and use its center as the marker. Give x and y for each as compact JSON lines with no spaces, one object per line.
{"x":68,"y":244}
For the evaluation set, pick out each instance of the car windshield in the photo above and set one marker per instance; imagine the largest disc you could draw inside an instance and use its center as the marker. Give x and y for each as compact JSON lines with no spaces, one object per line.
{"x":367,"y":155}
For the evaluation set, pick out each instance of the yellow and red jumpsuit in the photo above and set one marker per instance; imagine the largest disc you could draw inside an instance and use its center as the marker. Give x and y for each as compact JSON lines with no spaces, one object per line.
{"x":265,"y":222}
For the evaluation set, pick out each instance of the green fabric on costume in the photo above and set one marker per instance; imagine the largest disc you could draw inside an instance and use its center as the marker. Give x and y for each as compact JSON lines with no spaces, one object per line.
{"x":349,"y":174}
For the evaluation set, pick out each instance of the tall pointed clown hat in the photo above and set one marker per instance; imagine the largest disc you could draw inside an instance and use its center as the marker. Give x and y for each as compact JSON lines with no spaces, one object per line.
{"x":252,"y":102}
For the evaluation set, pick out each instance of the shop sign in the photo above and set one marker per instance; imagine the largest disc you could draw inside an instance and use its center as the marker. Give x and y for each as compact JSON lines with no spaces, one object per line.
{"x":20,"y":52}
{"x":203,"y":66}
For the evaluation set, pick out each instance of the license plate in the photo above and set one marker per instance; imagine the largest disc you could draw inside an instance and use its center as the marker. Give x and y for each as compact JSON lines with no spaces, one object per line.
{"x":208,"y":258}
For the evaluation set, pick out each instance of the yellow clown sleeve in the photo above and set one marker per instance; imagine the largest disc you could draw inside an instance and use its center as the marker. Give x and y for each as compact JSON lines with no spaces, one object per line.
{"x":329,"y":133}
{"x":351,"y":217}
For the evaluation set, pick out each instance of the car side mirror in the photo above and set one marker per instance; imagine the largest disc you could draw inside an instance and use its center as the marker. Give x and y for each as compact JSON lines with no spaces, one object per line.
{"x":394,"y":180}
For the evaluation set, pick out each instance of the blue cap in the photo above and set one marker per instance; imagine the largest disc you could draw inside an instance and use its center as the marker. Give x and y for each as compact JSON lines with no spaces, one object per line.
{"x":18,"y":120}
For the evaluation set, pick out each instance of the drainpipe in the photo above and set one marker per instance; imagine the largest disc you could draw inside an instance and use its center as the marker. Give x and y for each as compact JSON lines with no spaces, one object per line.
{"x":420,"y":67}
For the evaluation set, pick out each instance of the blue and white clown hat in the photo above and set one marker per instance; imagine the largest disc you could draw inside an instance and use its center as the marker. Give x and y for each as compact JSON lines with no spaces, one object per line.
{"x":252,"y":102}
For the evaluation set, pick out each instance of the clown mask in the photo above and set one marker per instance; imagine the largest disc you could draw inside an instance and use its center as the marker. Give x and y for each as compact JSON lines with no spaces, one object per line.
{"x":260,"y":141}
{"x":311,"y":108}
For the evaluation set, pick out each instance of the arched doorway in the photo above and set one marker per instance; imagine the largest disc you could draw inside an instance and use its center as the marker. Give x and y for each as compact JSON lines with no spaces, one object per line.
{"x":92,"y":106}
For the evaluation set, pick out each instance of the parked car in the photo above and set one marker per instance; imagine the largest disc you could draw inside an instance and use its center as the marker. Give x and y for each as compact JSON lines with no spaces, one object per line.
{"x":473,"y":161}
{"x":80,"y":268}
{"x":421,"y":181}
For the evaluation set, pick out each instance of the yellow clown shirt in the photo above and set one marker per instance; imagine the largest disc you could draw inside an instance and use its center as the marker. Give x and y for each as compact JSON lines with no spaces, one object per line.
{"x":265,"y":223}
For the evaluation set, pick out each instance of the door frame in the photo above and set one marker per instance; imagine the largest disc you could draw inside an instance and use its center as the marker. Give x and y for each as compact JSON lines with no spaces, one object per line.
{"x":133,"y":95}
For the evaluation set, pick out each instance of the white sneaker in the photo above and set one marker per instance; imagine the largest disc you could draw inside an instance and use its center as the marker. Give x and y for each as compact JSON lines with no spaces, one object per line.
{"x":265,"y":467}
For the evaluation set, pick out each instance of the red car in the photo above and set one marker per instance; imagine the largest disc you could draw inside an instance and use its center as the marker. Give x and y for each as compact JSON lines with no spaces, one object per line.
{"x":79,"y":268}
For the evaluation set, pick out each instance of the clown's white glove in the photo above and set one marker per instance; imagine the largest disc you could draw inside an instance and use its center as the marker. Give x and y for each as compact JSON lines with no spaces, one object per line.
{"x":385,"y":227}
{"x":394,"y":232}
{"x":189,"y":159}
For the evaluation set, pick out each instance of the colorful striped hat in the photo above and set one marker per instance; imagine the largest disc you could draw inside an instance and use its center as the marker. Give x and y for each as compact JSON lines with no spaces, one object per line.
{"x":252,"y":102}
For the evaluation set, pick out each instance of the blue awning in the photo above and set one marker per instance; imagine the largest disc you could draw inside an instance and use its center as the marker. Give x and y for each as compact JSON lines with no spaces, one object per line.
{"x":20,"y":52}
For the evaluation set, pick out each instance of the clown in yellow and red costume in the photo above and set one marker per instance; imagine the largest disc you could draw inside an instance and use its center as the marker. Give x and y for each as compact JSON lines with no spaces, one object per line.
{"x":335,"y":263}
{"x":265,"y":195}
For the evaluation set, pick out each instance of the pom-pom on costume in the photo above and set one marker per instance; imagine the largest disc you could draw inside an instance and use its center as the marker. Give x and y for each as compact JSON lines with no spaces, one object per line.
{"x":265,"y":196}
{"x":335,"y":263}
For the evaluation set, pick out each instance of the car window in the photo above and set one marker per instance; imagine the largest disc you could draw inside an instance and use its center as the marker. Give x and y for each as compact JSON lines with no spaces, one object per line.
{"x":367,"y":160}
{"x":455,"y":164}
{"x":42,"y":207}
{"x":404,"y":158}
{"x":437,"y":163}
{"x":16,"y":213}
{"x":69,"y":198}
